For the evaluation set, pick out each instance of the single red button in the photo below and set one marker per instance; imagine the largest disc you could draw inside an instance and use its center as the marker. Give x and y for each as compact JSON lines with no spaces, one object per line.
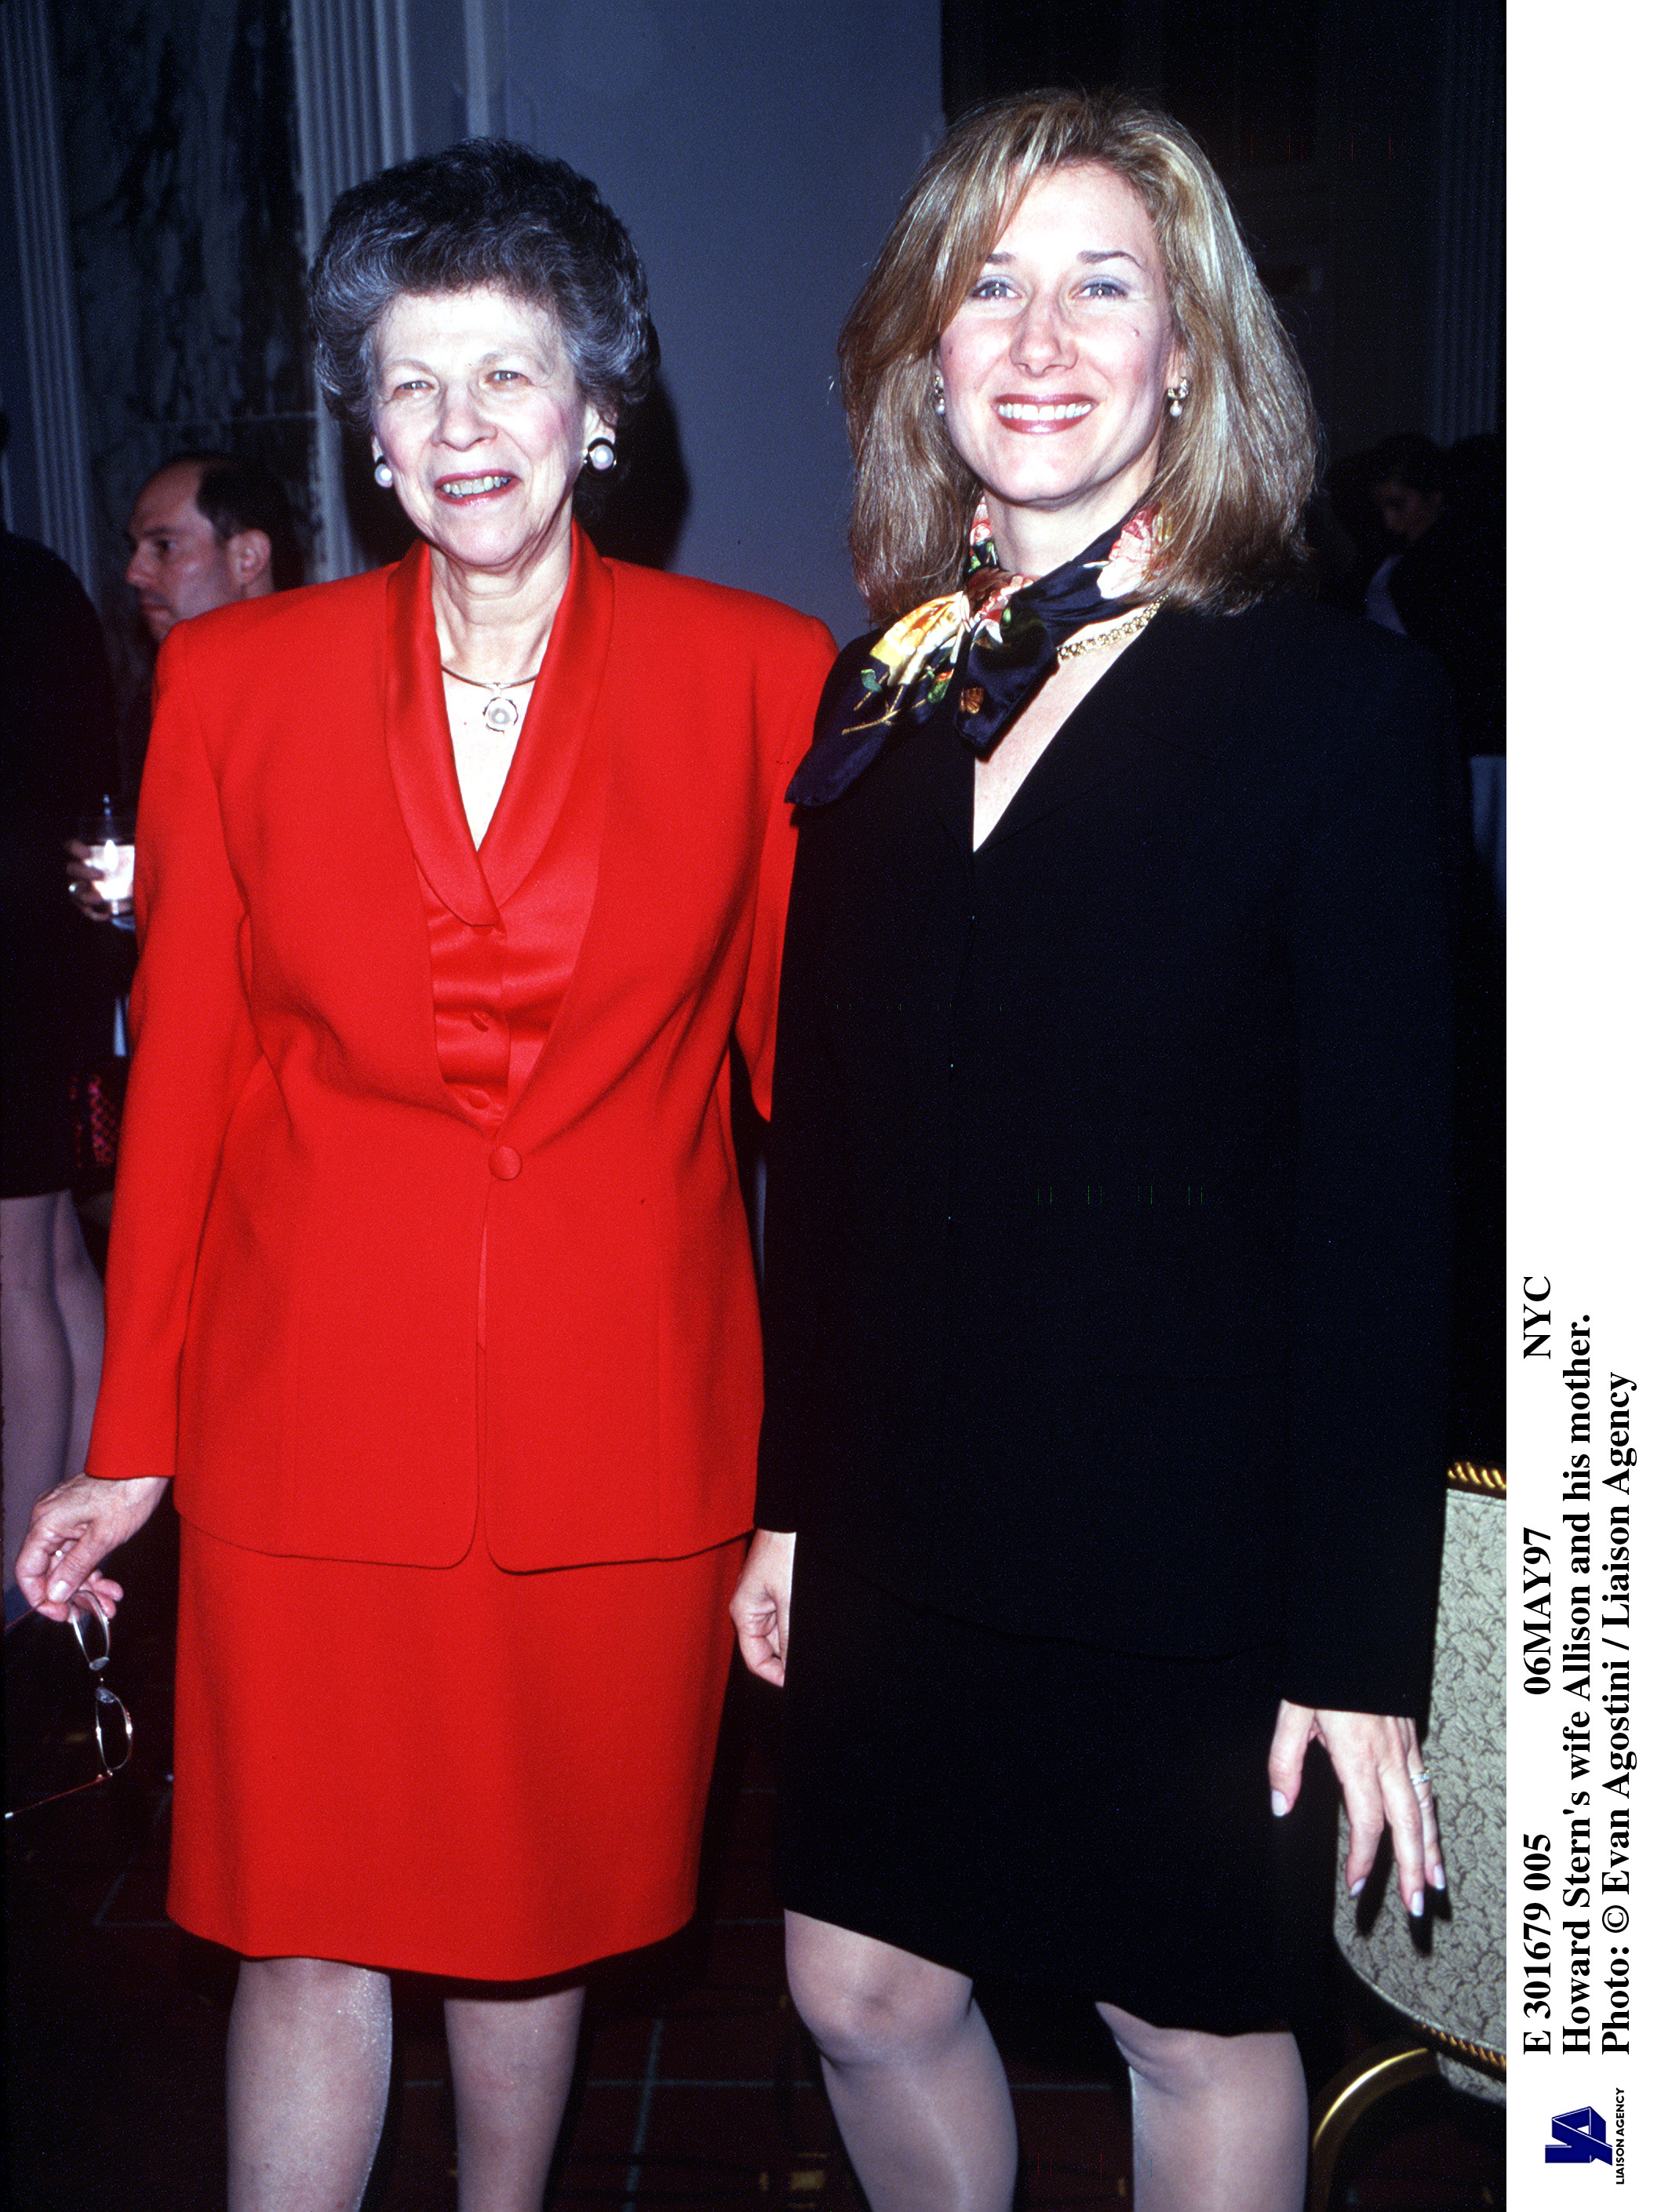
{"x":479,"y":1099}
{"x":505,"y":1163}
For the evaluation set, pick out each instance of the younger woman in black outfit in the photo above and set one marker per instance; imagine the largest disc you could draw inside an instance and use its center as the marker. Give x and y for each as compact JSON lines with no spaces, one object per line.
{"x":1107,"y":1198}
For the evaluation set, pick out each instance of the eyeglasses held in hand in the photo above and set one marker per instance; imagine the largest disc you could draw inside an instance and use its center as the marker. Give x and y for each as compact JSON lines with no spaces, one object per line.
{"x":111,"y":1724}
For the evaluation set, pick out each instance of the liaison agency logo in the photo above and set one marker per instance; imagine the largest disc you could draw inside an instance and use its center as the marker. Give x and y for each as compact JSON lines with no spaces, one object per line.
{"x":1581,"y":2137}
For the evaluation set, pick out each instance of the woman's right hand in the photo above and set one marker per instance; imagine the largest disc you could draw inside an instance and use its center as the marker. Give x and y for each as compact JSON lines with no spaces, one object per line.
{"x":761,"y":1604}
{"x":72,"y":1529}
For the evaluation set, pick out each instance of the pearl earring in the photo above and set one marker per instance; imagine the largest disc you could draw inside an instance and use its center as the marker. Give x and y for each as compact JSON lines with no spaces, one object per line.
{"x":383,"y":474}
{"x":600,"y":455}
{"x":1176,"y":394}
{"x":939,"y":393}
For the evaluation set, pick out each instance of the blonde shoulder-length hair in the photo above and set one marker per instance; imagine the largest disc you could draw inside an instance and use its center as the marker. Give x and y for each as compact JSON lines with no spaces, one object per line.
{"x":1236,"y":467}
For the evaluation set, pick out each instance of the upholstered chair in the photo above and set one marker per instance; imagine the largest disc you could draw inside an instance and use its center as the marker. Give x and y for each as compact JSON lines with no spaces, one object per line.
{"x":1446,"y":1974}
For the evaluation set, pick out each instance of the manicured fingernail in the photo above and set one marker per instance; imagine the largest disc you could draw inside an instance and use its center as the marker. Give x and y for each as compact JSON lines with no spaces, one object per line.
{"x":1277,"y":1804}
{"x":1418,"y":1904}
{"x":1356,"y":1888}
{"x":1439,"y":1877}
{"x":58,"y":1592}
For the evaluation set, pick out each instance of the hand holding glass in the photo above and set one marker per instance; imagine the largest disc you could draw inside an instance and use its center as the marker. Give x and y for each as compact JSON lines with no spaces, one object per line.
{"x":100,"y":867}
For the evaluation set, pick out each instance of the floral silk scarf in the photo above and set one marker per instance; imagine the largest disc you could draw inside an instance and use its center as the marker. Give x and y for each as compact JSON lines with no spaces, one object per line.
{"x":1000,"y":631}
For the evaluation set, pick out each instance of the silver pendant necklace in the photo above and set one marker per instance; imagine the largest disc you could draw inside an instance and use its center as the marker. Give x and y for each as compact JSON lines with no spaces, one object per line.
{"x":499,"y":712}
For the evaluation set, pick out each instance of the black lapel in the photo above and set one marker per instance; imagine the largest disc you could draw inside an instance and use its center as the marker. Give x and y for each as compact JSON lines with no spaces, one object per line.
{"x":927,"y":769}
{"x":1159,"y":692}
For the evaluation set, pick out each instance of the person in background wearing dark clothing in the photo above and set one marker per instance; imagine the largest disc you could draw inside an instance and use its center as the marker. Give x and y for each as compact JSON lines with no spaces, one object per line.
{"x":206,"y":530}
{"x":57,"y":753}
{"x":1408,"y":490}
{"x":1443,"y":587}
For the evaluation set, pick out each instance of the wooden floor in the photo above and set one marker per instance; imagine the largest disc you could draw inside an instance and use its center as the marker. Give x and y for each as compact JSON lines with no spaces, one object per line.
{"x":697,"y":2086}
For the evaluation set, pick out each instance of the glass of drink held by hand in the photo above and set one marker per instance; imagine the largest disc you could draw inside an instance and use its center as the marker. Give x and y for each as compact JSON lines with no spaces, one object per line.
{"x":103,"y":880}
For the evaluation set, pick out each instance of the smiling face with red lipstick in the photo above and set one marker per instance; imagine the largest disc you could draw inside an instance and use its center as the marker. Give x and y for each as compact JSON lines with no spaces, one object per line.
{"x":478,"y":414}
{"x":1056,"y":366}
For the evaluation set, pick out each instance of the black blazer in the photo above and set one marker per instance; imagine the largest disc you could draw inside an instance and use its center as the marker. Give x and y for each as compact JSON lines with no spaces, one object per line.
{"x":1108,"y":1200}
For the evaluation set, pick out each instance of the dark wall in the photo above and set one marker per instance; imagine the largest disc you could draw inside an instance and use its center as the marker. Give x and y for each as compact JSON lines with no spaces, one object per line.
{"x":180,"y":173}
{"x":1343,"y":130}
{"x":988,"y":49}
{"x":20,"y":476}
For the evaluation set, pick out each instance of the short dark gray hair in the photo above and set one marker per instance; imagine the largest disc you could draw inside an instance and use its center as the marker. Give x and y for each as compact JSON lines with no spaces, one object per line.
{"x":485,"y":212}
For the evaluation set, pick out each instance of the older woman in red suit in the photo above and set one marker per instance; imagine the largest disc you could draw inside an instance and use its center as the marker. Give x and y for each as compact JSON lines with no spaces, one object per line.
{"x":429,"y":1283}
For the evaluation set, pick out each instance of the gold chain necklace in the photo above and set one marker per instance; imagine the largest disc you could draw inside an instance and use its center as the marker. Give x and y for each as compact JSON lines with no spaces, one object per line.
{"x":1120,"y":631}
{"x":499,"y":712}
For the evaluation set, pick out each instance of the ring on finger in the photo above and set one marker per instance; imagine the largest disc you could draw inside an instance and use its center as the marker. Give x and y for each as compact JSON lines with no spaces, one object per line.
{"x":1421,"y":1777}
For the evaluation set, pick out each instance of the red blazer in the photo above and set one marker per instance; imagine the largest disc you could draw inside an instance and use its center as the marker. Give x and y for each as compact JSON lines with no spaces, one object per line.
{"x":310,"y":1235}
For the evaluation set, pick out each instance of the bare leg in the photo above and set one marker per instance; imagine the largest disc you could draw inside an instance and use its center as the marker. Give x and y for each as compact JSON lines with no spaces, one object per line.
{"x":511,"y":2060}
{"x":80,"y":1306}
{"x":913,"y":2075}
{"x":1221,"y":2121}
{"x":34,"y":1353}
{"x":307,"y":2069}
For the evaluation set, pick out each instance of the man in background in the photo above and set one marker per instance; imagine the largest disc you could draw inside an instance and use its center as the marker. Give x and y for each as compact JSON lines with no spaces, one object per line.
{"x":207,"y":529}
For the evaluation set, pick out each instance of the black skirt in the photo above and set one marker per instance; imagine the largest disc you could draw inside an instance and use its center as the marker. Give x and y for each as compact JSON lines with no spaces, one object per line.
{"x":1048,"y":1813}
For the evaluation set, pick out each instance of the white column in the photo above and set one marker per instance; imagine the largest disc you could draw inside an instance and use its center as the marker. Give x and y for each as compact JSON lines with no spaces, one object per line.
{"x":482,"y":27}
{"x":356,"y":117}
{"x":52,"y":338}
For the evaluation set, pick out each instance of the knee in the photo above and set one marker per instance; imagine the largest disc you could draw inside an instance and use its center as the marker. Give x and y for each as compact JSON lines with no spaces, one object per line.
{"x":869,"y":2023}
{"x":1174,"y":2062}
{"x":1188,"y":2064}
{"x":865,"y":2005}
{"x":314,"y":1984}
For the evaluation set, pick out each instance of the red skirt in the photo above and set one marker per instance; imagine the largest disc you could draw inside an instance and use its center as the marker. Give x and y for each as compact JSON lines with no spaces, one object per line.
{"x":458,"y":1771}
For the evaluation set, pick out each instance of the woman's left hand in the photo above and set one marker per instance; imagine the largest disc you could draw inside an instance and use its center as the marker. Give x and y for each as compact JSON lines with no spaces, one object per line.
{"x":1381,"y":1772}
